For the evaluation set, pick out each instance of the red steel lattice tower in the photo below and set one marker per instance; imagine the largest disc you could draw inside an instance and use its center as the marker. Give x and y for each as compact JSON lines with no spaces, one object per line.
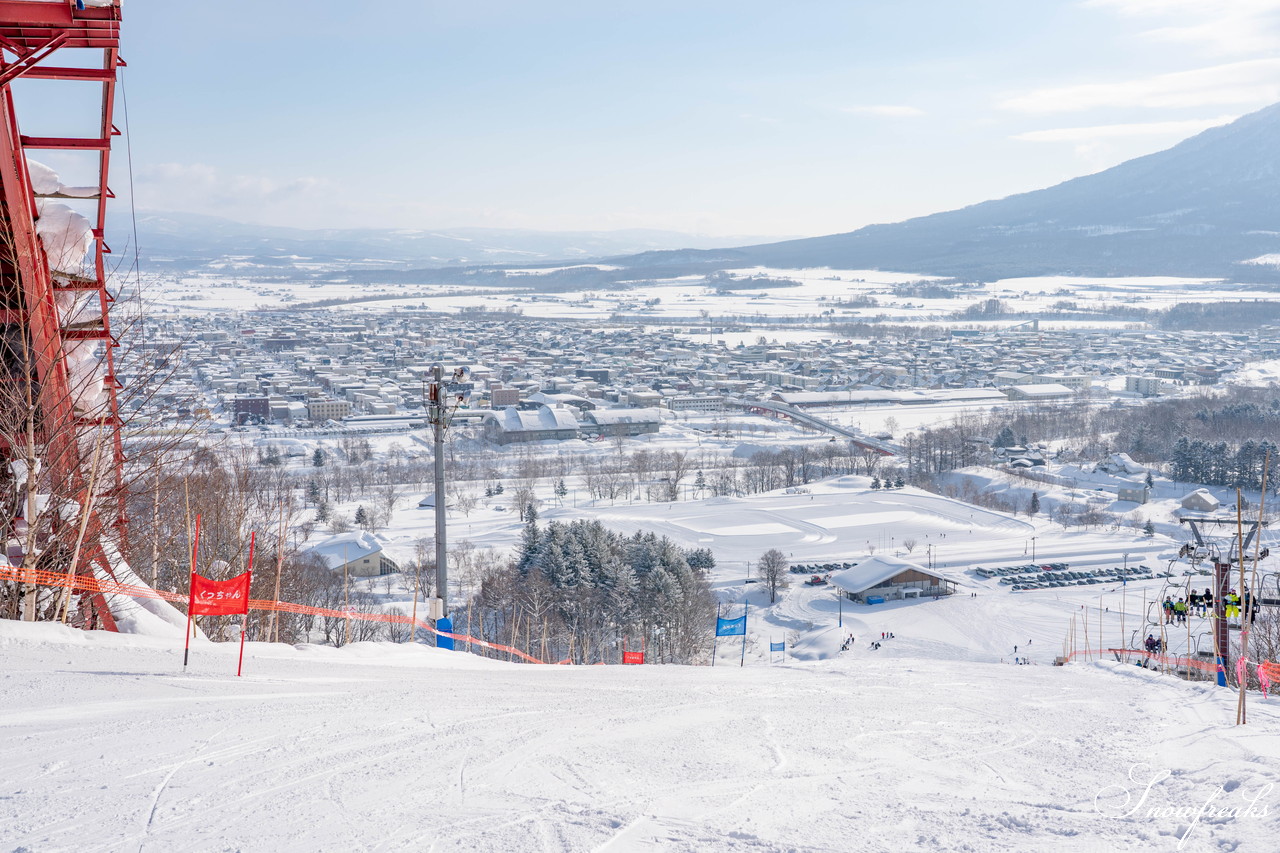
{"x":47,"y":316}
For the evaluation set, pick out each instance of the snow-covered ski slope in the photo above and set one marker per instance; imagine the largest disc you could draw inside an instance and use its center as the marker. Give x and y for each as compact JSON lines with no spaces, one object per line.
{"x":105,"y":746}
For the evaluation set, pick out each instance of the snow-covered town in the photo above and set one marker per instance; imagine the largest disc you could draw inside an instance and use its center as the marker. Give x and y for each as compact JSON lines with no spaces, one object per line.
{"x":448,"y":448}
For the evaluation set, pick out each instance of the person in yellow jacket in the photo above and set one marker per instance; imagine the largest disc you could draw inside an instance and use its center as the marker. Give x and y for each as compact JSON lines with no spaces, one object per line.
{"x":1233,"y":605}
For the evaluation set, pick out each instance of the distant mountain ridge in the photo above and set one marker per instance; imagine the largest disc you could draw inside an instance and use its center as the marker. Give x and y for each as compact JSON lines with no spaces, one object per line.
{"x":196,"y":241}
{"x":1200,"y":208}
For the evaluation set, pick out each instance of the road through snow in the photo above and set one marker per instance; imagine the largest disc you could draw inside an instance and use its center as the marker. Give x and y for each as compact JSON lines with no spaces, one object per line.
{"x":106,"y":746}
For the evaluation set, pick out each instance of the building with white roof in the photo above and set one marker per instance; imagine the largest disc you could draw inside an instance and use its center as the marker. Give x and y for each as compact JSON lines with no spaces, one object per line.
{"x":360,"y":553}
{"x":883,"y":578}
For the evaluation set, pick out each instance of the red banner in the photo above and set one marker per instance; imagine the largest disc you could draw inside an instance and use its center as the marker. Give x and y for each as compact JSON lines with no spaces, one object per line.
{"x":219,"y":598}
{"x":633,"y":657}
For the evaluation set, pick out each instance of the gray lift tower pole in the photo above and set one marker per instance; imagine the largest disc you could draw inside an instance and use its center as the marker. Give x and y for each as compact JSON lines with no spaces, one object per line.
{"x":436,"y":392}
{"x":438,"y":399}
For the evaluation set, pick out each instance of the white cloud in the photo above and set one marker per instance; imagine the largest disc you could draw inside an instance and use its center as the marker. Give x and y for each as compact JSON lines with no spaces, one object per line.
{"x":1252,"y":82}
{"x":1112,"y":131}
{"x":203,"y":188}
{"x":1224,"y":27}
{"x":885,"y":110}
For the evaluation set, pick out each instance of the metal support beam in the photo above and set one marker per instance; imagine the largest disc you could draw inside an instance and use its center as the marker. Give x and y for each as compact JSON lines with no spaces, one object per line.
{"x":49,"y":72}
{"x":30,"y":59}
{"x":63,"y":143}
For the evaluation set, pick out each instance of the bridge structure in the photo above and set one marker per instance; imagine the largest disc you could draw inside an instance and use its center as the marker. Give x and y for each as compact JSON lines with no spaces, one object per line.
{"x":855,"y":437}
{"x":61,"y":477}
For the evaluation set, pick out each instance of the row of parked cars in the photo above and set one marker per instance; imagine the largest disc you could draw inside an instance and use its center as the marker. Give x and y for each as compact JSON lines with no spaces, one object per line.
{"x":1020,"y":570}
{"x":1133,"y":573}
{"x":819,"y":568}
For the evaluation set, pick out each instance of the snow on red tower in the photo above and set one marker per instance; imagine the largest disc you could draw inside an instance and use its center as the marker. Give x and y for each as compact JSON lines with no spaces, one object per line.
{"x":61,"y":486}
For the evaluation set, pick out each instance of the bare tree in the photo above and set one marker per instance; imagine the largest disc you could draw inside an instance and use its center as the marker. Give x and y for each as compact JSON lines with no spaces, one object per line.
{"x":772,"y":569}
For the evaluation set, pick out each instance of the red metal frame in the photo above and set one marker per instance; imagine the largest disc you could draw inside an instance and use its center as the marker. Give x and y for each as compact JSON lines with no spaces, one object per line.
{"x":32,"y":31}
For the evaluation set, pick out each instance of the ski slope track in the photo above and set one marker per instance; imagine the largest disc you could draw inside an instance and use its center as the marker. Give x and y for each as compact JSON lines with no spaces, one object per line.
{"x":108,"y":746}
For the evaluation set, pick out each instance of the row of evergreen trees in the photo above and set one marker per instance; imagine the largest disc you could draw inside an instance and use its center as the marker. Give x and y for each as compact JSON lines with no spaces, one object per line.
{"x":1217,"y":464}
{"x":579,"y":591}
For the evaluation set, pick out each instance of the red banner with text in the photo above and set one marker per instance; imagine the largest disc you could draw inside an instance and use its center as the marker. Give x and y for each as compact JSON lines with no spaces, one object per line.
{"x":219,"y":598}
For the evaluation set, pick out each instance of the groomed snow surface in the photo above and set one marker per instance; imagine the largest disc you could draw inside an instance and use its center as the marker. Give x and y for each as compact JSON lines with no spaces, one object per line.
{"x":106,"y":745}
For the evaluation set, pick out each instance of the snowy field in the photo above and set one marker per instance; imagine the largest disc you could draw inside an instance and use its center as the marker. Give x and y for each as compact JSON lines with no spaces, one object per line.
{"x":842,"y":294}
{"x":108,"y":746}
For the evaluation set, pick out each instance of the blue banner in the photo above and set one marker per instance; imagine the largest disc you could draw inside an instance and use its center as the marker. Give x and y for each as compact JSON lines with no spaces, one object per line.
{"x":732,"y":627}
{"x":778,"y":647}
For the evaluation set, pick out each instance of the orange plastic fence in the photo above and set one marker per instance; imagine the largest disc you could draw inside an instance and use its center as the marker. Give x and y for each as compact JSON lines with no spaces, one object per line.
{"x":1167,"y":660}
{"x":83,"y":583}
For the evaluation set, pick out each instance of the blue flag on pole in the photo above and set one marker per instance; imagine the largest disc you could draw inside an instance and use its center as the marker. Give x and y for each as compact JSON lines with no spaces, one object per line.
{"x":778,"y":647}
{"x":731,"y":627}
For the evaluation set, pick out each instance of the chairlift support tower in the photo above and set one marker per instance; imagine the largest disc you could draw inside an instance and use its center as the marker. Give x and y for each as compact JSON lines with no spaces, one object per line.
{"x":1222,"y":579}
{"x":77,"y":43}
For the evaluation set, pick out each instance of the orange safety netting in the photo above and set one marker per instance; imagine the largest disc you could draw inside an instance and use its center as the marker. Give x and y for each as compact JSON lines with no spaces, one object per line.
{"x":1125,"y":654}
{"x":85,"y":583}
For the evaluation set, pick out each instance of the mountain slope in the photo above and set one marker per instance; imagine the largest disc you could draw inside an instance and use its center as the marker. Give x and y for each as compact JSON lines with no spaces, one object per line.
{"x":1199,"y":208}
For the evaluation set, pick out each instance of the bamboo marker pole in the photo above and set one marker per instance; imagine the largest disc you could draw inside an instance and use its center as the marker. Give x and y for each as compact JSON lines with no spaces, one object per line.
{"x":1144,"y":614}
{"x":1084,"y":631}
{"x":413,"y":617}
{"x":469,"y":649}
{"x":1164,"y":637}
{"x":155,"y":536}
{"x":1124,"y":602}
{"x":346,"y":596}
{"x":1187,"y":599}
{"x":1101,"y":645}
{"x":275,"y":614}
{"x":1246,"y":614}
{"x":1240,"y":584}
{"x":85,"y":511}
{"x":191,"y":543}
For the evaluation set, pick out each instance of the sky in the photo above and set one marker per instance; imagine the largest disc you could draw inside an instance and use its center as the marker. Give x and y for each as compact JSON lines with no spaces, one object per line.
{"x":708,"y":117}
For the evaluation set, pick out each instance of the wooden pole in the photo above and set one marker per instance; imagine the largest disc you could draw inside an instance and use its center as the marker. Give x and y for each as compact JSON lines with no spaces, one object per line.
{"x":155,"y":535}
{"x":413,"y":617}
{"x":1240,"y":589}
{"x":715,"y":641}
{"x":191,"y":543}
{"x":1144,"y":614}
{"x":1187,"y":598}
{"x":244,"y":620}
{"x":1124,"y":602}
{"x":1101,"y":646}
{"x":1084,"y":630}
{"x":275,"y":614}
{"x":85,"y":511}
{"x":191,"y":593}
{"x":1253,"y":582}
